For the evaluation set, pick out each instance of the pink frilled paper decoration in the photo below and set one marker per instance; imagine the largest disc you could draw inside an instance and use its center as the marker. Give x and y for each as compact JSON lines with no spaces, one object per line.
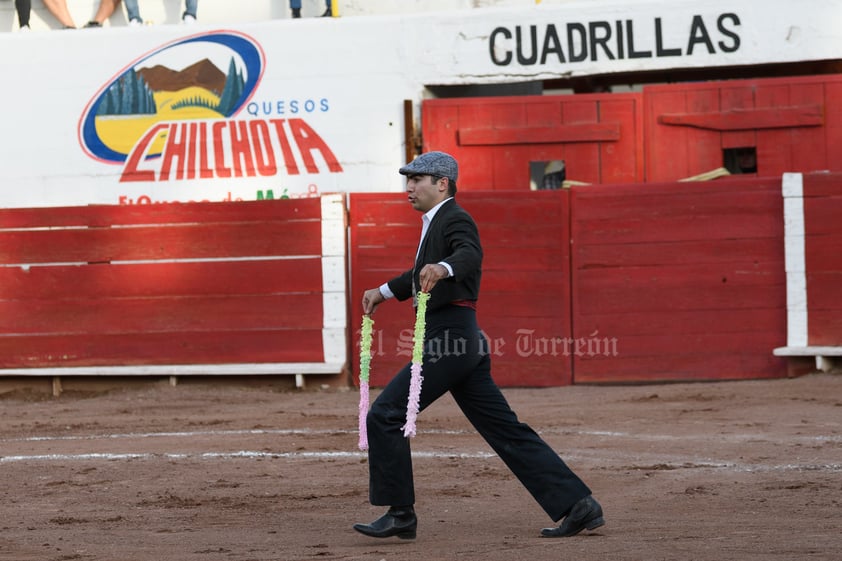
{"x":365,"y":368}
{"x":416,"y":379}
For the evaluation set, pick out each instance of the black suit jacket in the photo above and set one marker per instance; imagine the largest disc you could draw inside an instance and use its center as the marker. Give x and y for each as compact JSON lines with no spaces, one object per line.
{"x":454,"y":239}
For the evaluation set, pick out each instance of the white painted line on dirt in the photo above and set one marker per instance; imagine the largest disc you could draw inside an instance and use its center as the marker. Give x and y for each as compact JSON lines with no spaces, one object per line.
{"x":229,"y":455}
{"x":317,"y":432}
{"x":248,"y":454}
{"x":181,"y":434}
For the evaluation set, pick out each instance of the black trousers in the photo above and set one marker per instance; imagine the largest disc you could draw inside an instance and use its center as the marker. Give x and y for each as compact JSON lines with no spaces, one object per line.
{"x":456,"y":359}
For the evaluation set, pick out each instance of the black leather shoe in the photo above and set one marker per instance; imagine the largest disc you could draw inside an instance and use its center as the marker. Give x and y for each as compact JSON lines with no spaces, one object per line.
{"x":585,"y":515}
{"x":400,"y":522}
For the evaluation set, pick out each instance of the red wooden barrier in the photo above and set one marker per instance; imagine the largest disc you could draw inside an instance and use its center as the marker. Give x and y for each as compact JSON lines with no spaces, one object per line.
{"x":176,"y":284}
{"x":685,"y":280}
{"x":524,"y":305}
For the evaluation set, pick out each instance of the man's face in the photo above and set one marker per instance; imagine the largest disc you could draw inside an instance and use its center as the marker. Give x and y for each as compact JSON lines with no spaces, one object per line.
{"x":425,"y":191}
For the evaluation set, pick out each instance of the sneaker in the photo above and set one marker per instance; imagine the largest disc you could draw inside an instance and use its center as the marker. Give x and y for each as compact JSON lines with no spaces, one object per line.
{"x":25,"y":28}
{"x":135,"y":22}
{"x":188,"y":19}
{"x":93,"y":23}
{"x":328,"y":13}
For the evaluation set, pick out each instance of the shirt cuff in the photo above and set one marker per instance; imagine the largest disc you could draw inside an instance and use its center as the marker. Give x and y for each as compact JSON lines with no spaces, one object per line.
{"x":386,"y":291}
{"x":448,"y":267}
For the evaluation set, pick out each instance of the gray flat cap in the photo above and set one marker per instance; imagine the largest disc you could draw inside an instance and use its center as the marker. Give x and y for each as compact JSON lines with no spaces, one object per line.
{"x":433,"y":163}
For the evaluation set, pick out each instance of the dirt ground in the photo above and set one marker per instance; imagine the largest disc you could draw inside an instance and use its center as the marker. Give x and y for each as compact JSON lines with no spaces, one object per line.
{"x":197,"y":472}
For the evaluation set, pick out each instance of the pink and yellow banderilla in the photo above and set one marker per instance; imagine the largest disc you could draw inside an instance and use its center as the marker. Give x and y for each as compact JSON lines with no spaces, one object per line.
{"x":415,"y":380}
{"x":365,"y":368}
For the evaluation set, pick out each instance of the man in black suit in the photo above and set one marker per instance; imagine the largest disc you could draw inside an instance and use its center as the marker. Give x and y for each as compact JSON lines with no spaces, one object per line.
{"x":448,"y":267}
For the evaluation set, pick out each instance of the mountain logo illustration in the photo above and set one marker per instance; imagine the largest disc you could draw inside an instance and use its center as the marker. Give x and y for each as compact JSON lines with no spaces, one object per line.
{"x":205,"y":77}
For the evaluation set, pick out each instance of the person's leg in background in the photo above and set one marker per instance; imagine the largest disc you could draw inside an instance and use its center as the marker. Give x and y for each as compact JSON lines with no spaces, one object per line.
{"x":191,"y":8}
{"x":103,"y":12}
{"x":59,"y":10}
{"x":133,"y":13}
{"x":295,"y":8}
{"x":24,"y":9}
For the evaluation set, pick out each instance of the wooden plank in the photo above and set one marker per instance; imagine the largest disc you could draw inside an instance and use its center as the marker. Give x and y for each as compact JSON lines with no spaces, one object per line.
{"x":676,"y":253}
{"x":824,"y":289}
{"x":622,"y":162}
{"x":366,"y":209}
{"x":508,"y":167}
{"x":809,"y":151}
{"x":529,"y":304}
{"x":601,"y":132}
{"x":504,"y":329}
{"x":508,"y":280}
{"x":727,"y":198}
{"x":666,"y":148}
{"x":511,"y":208}
{"x":745,"y":223}
{"x":774,"y":150}
{"x":687,"y":367}
{"x":174,"y":213}
{"x":704,"y":152}
{"x":825,"y":327}
{"x":832,"y":138}
{"x":671,"y":347}
{"x":823,"y":244}
{"x":161,"y":314}
{"x":737,"y":99}
{"x":276,"y":345}
{"x":822,"y":185}
{"x":656,"y":299}
{"x":162,"y":279}
{"x":526,"y":258}
{"x":823,"y":253}
{"x":194,"y":241}
{"x":687,"y":275}
{"x":735,"y":321}
{"x":748,"y":119}
{"x":582,"y":160}
{"x":402,"y":237}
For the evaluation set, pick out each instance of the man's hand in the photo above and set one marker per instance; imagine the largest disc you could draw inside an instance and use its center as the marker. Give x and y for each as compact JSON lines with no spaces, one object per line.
{"x":371,"y":298}
{"x":430,"y":275}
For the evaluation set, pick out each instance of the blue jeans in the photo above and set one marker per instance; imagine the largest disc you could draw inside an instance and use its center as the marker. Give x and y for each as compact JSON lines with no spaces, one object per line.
{"x":133,"y":11}
{"x":296,"y":4}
